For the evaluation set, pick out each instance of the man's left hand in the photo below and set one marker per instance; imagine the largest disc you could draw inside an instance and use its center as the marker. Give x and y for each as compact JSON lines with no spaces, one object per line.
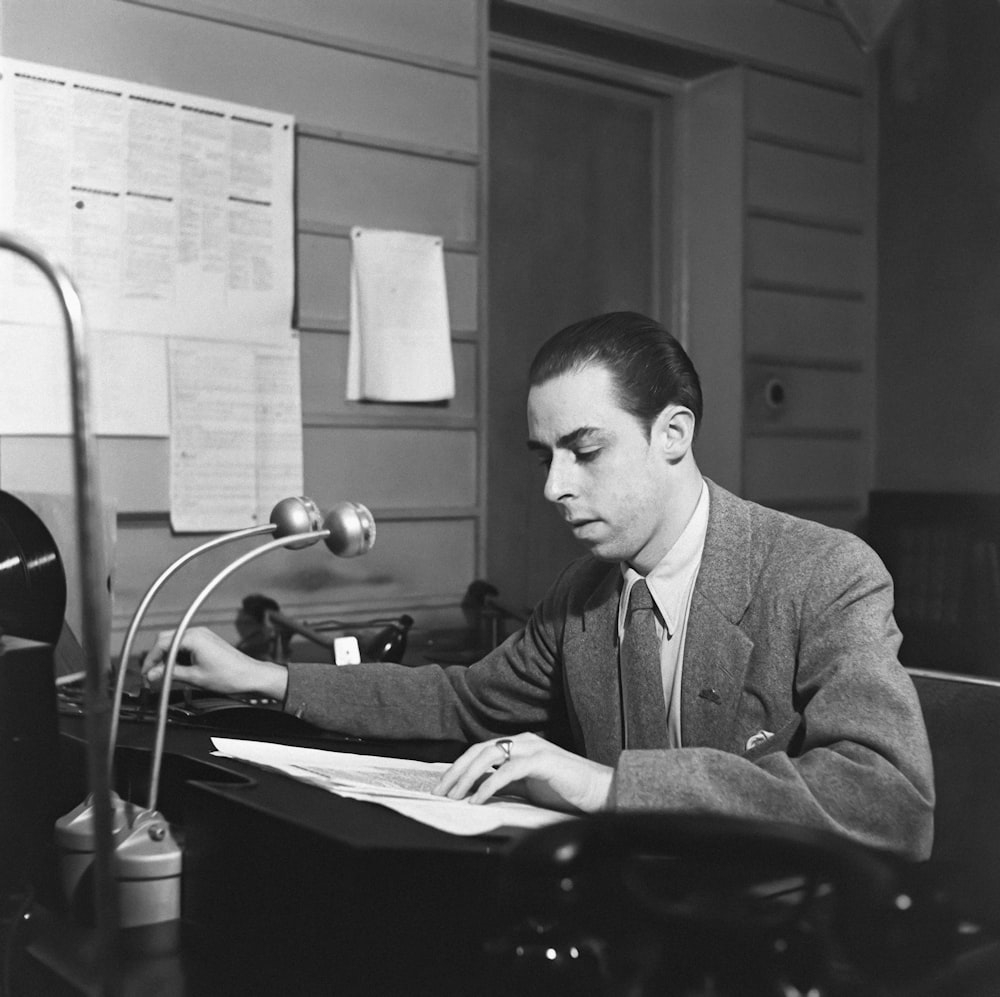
{"x":543,"y":773}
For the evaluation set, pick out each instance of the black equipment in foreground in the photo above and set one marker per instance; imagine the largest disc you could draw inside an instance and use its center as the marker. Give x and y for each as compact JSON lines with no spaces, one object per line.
{"x":683,"y":905}
{"x":288,"y":889}
{"x":32,"y":604}
{"x":32,"y":576}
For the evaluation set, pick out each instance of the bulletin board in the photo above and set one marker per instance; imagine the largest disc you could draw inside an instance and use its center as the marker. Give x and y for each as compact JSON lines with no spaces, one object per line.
{"x":173,"y":214}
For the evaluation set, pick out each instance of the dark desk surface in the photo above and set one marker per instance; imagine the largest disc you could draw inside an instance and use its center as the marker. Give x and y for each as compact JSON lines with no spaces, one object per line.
{"x":188,"y":757}
{"x":288,"y":888}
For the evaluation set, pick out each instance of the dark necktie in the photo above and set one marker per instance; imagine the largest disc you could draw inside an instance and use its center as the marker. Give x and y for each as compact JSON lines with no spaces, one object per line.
{"x":644,"y":712}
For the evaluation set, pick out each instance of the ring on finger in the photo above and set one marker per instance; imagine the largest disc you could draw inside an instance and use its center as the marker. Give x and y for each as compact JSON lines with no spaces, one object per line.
{"x":504,"y":744}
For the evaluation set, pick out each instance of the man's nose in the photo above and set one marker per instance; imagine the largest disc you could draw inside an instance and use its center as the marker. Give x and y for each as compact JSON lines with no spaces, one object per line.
{"x":558,"y":483}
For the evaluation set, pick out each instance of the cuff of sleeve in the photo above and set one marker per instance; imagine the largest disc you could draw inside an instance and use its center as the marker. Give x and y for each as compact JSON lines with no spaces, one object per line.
{"x":308,"y":684}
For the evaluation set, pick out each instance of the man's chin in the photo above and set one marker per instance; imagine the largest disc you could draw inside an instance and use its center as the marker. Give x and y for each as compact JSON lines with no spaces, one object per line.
{"x":602,"y":550}
{"x":605,"y":556}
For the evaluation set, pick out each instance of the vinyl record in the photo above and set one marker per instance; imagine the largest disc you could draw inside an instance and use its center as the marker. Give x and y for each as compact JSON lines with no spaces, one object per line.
{"x":32,"y":576}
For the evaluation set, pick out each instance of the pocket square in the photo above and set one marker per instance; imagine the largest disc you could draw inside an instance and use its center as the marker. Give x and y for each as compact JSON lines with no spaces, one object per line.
{"x":759,"y":738}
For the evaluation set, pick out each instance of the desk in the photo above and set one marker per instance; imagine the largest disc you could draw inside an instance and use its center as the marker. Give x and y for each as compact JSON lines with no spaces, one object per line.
{"x":288,"y":889}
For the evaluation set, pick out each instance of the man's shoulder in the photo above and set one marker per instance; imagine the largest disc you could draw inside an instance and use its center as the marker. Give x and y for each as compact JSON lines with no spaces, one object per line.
{"x":783,"y":537}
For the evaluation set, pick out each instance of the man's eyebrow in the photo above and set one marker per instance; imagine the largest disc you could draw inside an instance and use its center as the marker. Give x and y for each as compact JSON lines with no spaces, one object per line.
{"x":568,"y":439}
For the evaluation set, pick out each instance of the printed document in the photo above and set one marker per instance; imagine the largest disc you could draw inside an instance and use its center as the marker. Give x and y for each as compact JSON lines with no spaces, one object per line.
{"x":401,"y":784}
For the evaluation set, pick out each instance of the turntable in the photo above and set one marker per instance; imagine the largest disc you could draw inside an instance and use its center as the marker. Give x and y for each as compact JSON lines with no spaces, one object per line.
{"x":32,"y":605}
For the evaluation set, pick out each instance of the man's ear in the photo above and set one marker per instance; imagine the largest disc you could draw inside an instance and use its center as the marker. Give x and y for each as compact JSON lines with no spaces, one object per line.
{"x":673,"y":432}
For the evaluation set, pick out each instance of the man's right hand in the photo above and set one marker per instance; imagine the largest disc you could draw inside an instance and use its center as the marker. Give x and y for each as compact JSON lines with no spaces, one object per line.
{"x":209,"y":662}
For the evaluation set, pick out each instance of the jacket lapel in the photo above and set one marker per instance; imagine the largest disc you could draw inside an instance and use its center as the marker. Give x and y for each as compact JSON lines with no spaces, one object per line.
{"x":592,"y":670}
{"x":716,"y":651}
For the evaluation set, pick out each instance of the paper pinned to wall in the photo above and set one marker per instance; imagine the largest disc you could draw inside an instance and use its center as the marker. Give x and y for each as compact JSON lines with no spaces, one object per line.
{"x":172,"y":212}
{"x":34,"y":381}
{"x":279,"y":427}
{"x":128,"y":400}
{"x":213,"y":485}
{"x":400,"y":343}
{"x":236,"y":433}
{"x":128,"y":391}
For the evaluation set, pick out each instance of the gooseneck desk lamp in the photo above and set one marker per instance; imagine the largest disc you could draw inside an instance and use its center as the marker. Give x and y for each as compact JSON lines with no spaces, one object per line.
{"x":147,"y":858}
{"x":290,"y":517}
{"x":348,"y":531}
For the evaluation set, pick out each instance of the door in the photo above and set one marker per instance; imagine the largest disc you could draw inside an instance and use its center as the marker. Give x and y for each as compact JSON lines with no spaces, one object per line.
{"x":576,"y":224}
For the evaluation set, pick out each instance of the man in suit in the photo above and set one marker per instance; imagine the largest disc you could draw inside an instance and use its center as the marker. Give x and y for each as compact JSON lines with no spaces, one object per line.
{"x":707,"y":656}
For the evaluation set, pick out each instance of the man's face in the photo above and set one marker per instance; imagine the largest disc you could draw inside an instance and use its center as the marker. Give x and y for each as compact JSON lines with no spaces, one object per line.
{"x":610,"y":482}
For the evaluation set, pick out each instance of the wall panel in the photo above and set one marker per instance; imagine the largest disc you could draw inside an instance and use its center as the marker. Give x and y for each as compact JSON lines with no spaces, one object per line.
{"x":783,"y":472}
{"x":405,"y":570}
{"x":350,"y":91}
{"x":804,"y":328}
{"x":807,"y":257}
{"x":793,"y":111}
{"x":443,"y":30}
{"x":391,"y":468}
{"x":342,"y":184}
{"x":807,"y":184}
{"x":795,"y":400}
{"x":809,"y":299}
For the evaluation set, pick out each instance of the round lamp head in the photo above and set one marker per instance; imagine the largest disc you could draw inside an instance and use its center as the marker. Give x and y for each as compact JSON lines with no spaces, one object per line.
{"x":352,"y":529}
{"x":292,"y":516}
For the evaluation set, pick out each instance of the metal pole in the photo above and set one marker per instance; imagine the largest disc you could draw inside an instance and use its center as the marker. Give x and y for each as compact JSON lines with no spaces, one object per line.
{"x":95,"y":629}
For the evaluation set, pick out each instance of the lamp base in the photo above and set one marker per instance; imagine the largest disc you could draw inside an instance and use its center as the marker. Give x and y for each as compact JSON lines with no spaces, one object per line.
{"x":146,"y":865}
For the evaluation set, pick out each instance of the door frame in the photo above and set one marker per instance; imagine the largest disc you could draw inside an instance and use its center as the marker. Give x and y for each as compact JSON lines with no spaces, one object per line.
{"x":702,"y":257}
{"x":591,"y":73}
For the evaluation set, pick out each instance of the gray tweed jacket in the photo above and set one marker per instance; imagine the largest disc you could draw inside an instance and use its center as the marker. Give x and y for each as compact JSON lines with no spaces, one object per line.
{"x":794,"y":705}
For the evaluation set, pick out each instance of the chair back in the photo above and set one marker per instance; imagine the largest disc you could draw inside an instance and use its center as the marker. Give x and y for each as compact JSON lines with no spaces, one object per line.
{"x":962,"y":714}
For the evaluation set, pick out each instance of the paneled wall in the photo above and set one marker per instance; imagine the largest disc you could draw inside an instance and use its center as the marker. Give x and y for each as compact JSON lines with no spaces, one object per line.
{"x":781,"y":279}
{"x":809,"y":298}
{"x":387,"y":98}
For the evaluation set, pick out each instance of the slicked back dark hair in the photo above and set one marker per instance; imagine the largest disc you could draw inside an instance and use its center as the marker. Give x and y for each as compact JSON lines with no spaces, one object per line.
{"x":651,"y":370}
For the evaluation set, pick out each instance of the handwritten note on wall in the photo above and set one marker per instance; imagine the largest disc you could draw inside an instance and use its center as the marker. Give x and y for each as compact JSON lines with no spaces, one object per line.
{"x":236,"y":444}
{"x":400,"y":344}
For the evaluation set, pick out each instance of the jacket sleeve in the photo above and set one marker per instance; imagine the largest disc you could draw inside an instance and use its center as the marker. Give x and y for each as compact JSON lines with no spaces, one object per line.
{"x":851,"y":753}
{"x":514,"y":688}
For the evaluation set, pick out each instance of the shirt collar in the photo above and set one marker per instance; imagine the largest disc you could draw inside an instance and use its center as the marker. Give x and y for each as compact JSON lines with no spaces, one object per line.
{"x":670,"y":581}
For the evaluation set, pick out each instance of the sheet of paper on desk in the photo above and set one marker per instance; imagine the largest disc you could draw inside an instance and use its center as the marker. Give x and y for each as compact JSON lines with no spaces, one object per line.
{"x":402,"y":784}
